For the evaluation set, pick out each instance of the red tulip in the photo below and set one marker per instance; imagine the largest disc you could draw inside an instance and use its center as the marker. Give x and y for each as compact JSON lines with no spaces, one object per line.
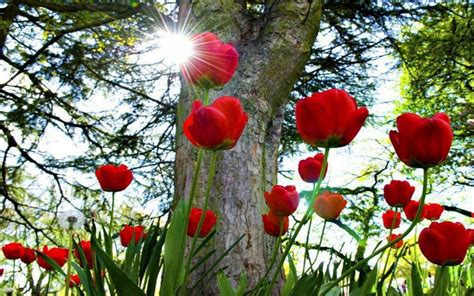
{"x":59,"y":255}
{"x":213,"y":63}
{"x":391,"y":218}
{"x":471,"y":237}
{"x":329,"y":205}
{"x":216,"y":127}
{"x":74,"y":280}
{"x":27,"y":255}
{"x":411,"y":209}
{"x":310,"y":168}
{"x":112,"y":178}
{"x":398,"y":244}
{"x":398,"y":193}
{"x":444,"y":243}
{"x":1,"y":271}
{"x":210,"y":220}
{"x":86,"y":248}
{"x":422,"y":142}
{"x":330,"y":118}
{"x":282,"y":200}
{"x":272,"y":224}
{"x":12,"y":250}
{"x":128,"y":232}
{"x":433,"y":211}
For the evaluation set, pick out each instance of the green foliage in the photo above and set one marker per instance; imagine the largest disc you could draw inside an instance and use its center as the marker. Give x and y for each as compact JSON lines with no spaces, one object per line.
{"x":437,"y":70}
{"x":415,"y":281}
{"x":225,"y":286}
{"x":173,"y":274}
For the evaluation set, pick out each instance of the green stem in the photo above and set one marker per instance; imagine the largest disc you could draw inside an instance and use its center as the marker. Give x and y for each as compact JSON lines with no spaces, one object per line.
{"x":205,"y":99}
{"x":393,"y":242}
{"x":197,"y":169}
{"x":389,"y":250}
{"x":395,"y":266}
{"x":69,"y":257}
{"x":210,"y":179}
{"x":49,"y":282}
{"x":112,"y":214}
{"x":305,"y":219}
{"x":439,"y":283}
{"x":276,"y":249}
{"x":319,"y":245}
{"x":306,"y":251}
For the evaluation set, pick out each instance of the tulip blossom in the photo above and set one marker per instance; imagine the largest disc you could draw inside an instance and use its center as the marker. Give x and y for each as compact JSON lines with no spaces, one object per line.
{"x":391,"y":219}
{"x":216,"y":127}
{"x":128,"y":232}
{"x":398,"y":193}
{"x":444,"y":243}
{"x":210,"y":220}
{"x":28,"y":255}
{"x":411,"y":209}
{"x":12,"y":250}
{"x":212,"y":64}
{"x":471,"y":237}
{"x":272,"y":224}
{"x":86,"y":249}
{"x":282,"y":200}
{"x":398,"y":244}
{"x":433,"y":211}
{"x":329,"y":205}
{"x":74,"y":280}
{"x":58,"y":255}
{"x":329,"y":119}
{"x":310,"y":168}
{"x":114,"y":178}
{"x":422,"y":142}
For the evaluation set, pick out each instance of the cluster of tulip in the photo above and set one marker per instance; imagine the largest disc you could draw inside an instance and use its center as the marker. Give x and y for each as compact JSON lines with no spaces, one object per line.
{"x":111,"y":179}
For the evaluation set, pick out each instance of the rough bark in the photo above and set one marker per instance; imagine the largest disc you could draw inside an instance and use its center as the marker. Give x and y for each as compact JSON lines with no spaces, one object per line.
{"x":273,"y":51}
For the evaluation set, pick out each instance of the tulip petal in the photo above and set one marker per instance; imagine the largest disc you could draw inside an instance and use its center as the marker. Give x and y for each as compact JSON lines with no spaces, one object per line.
{"x":354,"y":124}
{"x":235,"y":115}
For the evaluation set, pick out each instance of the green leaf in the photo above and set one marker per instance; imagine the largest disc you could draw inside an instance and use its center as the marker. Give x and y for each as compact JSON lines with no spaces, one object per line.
{"x":173,"y":274}
{"x":392,"y":292}
{"x":335,"y":291}
{"x":291,"y":279}
{"x":122,"y":283}
{"x":154,"y":264}
{"x":415,"y":281}
{"x":366,"y":288}
{"x":224,"y":285}
{"x":242,"y":286}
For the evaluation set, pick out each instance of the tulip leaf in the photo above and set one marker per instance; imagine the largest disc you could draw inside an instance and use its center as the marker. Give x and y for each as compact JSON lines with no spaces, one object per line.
{"x":154,"y":264}
{"x":291,"y":279}
{"x":173,"y":274}
{"x":224,"y":285}
{"x":86,"y":279}
{"x":242,"y":286}
{"x":366,"y":288}
{"x":415,"y":281}
{"x":122,"y":283}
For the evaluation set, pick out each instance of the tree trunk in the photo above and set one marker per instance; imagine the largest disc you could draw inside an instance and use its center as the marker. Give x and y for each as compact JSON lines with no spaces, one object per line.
{"x":273,"y":50}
